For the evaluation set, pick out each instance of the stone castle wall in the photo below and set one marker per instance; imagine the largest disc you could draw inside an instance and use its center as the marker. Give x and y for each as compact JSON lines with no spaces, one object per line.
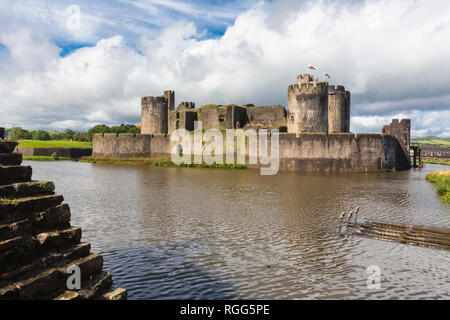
{"x":339,"y":152}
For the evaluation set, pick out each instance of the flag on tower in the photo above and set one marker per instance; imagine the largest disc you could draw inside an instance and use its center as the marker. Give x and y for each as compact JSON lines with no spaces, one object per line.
{"x":326,"y":74}
{"x":311,"y":67}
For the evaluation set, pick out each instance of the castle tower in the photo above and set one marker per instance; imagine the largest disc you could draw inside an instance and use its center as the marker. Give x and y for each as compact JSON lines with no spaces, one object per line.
{"x":170,"y":98}
{"x":308,"y":106}
{"x":338,"y":109}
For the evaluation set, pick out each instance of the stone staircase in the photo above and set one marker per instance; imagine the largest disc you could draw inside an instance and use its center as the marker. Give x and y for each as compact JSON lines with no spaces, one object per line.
{"x":37,"y":242}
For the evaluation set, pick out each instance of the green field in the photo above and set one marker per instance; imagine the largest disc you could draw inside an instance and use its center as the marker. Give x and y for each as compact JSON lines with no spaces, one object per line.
{"x":53,"y":144}
{"x":44,"y":158}
{"x":432,"y":140}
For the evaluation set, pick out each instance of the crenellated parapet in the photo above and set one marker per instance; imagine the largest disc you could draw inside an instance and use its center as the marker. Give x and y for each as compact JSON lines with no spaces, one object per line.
{"x":305,"y":78}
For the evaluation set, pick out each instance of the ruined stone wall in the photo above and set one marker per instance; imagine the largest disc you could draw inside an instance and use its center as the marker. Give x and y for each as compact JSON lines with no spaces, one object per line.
{"x":401,"y":130}
{"x":154,"y":115}
{"x":272,"y":116}
{"x":38,"y":243}
{"x":212,"y":117}
{"x":308,"y":107}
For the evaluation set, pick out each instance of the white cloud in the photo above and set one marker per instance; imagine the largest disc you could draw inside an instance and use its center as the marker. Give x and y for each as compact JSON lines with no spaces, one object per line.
{"x":392,"y":55}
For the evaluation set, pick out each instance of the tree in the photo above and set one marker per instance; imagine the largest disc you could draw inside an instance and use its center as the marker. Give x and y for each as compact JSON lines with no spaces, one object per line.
{"x":68,"y":134}
{"x":80,"y":136}
{"x":57,"y":136}
{"x":41,"y":135}
{"x":17,"y":133}
{"x":100,"y":128}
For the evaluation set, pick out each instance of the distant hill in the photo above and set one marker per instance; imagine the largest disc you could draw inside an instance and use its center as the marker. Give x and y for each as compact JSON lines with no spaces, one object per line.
{"x":432,"y":140}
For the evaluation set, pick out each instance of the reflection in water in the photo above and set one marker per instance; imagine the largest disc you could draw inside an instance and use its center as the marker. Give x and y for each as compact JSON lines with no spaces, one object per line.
{"x":184,"y":233}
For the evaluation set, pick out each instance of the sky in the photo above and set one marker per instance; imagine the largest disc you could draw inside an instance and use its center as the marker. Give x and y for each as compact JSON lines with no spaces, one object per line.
{"x":73,"y":64}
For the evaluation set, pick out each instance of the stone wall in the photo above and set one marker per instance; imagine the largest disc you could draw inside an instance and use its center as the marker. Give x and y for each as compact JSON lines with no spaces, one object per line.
{"x":272,"y":116}
{"x":401,"y":130}
{"x":60,"y":152}
{"x":154,"y":115}
{"x":339,"y":152}
{"x":38,"y":243}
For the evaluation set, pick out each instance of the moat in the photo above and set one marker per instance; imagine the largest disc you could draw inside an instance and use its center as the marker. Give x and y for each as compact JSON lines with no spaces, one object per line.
{"x":184,"y":233}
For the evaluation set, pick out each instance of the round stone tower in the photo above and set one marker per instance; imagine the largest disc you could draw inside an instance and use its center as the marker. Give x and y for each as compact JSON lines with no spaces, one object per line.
{"x":338,"y":109}
{"x":308,"y":107}
{"x":154,"y":115}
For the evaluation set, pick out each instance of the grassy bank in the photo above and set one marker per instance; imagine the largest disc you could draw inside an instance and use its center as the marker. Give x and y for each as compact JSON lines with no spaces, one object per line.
{"x":444,"y":163}
{"x":442,"y":181}
{"x":53,"y":144}
{"x":45,"y":158}
{"x":160,"y":163}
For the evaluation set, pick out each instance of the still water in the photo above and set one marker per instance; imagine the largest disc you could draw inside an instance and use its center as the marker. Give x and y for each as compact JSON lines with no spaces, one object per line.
{"x":185,"y":233}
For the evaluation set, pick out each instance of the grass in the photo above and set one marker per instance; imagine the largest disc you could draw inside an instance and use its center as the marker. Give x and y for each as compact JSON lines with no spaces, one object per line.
{"x":7,"y":201}
{"x":161,"y":163}
{"x":445,"y":163}
{"x":45,"y":158}
{"x":53,"y":144}
{"x":432,"y":140}
{"x":442,"y":181}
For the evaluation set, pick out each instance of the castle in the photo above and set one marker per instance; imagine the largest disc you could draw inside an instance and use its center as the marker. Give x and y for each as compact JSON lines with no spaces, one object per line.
{"x":314,"y":130}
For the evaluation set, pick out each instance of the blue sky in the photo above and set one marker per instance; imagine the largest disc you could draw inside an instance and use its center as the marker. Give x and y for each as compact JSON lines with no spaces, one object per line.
{"x":60,"y":72}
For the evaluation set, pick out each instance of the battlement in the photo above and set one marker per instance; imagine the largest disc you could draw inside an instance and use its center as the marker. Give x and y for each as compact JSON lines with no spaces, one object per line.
{"x":309,"y":88}
{"x":333,"y":89}
{"x":304,"y":78}
{"x":186,"y":105}
{"x":153,"y":99}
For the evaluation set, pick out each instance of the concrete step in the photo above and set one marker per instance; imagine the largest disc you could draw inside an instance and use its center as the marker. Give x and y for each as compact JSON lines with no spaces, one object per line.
{"x":54,"y":218}
{"x":23,"y":208}
{"x":51,"y":280}
{"x":10,"y":159}
{"x":13,"y":174}
{"x":27,"y":189}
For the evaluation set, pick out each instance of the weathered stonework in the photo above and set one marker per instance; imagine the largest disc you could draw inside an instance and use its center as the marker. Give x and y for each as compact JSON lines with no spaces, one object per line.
{"x":338,"y":109}
{"x":308,"y":107}
{"x":38,"y":244}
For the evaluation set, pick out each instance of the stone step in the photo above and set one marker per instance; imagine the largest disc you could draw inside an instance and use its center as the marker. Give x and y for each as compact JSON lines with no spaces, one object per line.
{"x":7,"y":146}
{"x":54,"y":218}
{"x":51,"y":280}
{"x":10,"y":159}
{"x":91,"y":289}
{"x":13,"y":174}
{"x":22,"y":208}
{"x":116,"y":294}
{"x":27,"y":189}
{"x":19,"y":251}
{"x":60,"y":238}
{"x":53,"y":259}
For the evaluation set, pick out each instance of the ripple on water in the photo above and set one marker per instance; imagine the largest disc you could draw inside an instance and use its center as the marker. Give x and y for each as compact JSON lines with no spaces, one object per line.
{"x":170,"y":233}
